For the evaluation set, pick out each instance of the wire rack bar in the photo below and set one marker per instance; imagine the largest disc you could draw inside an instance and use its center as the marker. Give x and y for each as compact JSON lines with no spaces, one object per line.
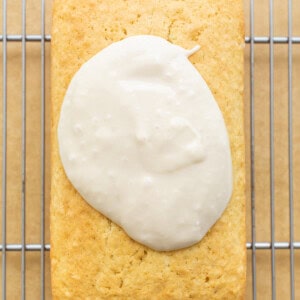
{"x":275,"y":39}
{"x":290,"y":141}
{"x":256,"y":39}
{"x":23,"y":157}
{"x":249,"y":246}
{"x":28,"y":247}
{"x":28,"y":38}
{"x":272,"y":157}
{"x":4,"y":144}
{"x":252,"y":150}
{"x":42,"y":201}
{"x":277,"y":245}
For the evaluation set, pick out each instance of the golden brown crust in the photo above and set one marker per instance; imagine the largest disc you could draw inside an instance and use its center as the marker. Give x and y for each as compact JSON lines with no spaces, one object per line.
{"x":91,"y":257}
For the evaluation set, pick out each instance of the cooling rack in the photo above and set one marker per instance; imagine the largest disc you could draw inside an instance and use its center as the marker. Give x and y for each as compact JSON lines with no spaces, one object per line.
{"x":272,"y":67}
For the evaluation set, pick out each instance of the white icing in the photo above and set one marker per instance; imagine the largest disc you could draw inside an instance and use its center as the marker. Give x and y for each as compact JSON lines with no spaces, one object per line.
{"x":143,"y":141}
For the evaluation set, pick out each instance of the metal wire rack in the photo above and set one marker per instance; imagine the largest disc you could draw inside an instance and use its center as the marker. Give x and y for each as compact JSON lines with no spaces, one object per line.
{"x":19,"y":203}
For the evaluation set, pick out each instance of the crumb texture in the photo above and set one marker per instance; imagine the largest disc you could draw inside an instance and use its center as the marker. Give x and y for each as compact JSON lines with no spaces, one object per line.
{"x":91,"y":257}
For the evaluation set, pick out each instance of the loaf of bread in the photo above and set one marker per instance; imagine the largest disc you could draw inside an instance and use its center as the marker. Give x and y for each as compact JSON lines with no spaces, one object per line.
{"x":93,"y":258}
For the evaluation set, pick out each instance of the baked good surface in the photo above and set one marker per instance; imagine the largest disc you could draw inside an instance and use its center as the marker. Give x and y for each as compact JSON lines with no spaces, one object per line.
{"x":91,"y":257}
